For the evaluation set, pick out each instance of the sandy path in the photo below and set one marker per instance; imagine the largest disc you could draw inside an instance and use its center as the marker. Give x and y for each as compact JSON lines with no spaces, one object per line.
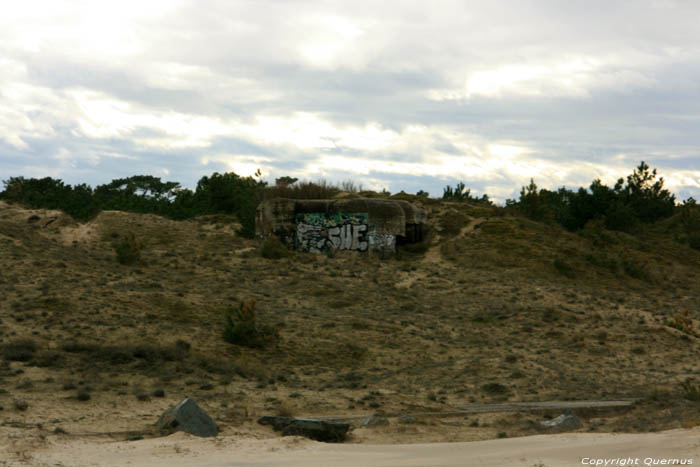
{"x":433,"y":255}
{"x":544,"y":450}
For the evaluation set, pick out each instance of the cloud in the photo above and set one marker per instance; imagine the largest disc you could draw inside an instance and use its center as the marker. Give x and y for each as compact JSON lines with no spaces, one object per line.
{"x":395,"y":94}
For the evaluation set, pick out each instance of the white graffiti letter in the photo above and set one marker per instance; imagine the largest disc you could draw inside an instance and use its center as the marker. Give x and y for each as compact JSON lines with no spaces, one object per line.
{"x":334,"y":237}
{"x":356,"y":234}
{"x":346,"y":237}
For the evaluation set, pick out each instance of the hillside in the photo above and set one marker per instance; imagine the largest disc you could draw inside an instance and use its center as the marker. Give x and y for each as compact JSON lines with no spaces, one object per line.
{"x":498,"y":308}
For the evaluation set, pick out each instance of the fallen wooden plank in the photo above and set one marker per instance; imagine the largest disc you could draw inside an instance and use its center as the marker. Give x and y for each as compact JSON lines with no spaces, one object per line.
{"x":547,"y":405}
{"x":502,"y":407}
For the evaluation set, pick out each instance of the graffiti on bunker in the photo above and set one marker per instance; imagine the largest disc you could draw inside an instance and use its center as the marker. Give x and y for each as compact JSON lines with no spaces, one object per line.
{"x":362,"y":224}
{"x":318,"y":232}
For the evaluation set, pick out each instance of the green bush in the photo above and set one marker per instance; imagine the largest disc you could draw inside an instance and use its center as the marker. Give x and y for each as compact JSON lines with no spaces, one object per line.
{"x":320,"y":189}
{"x":19,"y":350}
{"x":128,"y":250}
{"x":146,"y":353}
{"x":242,"y":328}
{"x":624,"y":207}
{"x":563,"y":267}
{"x":460,"y":193}
{"x":83,"y":394}
{"x":225,"y":193}
{"x":682,"y":322}
{"x":52,"y":193}
{"x":690,"y":391}
{"x":48,"y":359}
{"x":694,"y":241}
{"x":633,"y":269}
{"x":273,"y":248}
{"x":603,"y":260}
{"x":621,"y":217}
{"x":495,"y":388}
{"x":232,"y":194}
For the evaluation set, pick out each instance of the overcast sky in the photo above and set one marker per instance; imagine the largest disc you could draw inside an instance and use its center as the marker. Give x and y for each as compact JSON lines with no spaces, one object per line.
{"x":394,"y":94}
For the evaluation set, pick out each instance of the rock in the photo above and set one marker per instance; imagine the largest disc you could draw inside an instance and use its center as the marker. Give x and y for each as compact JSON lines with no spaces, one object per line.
{"x":563,"y":422}
{"x":187,"y":416}
{"x":374,"y":420}
{"x":331,"y":431}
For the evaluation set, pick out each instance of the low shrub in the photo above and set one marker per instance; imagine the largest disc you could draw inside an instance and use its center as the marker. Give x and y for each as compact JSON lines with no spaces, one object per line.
{"x":49,"y":358}
{"x":682,"y":322}
{"x":242,"y":328}
{"x":286,"y":409}
{"x":603,"y":261}
{"x":495,"y":388}
{"x":694,"y":241}
{"x":21,"y":405}
{"x":83,"y":395}
{"x":182,"y":349}
{"x":19,"y":350}
{"x":690,"y":391}
{"x":128,"y":250}
{"x":126,"y":353}
{"x":321,"y":189}
{"x":563,"y":267}
{"x":633,"y":269}
{"x":273,"y":248}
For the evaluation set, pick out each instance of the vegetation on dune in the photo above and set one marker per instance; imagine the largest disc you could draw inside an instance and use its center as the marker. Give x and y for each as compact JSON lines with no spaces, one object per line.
{"x":461,"y":193}
{"x":273,"y":248}
{"x":641,"y":200}
{"x":492,"y":306}
{"x":226,"y":193}
{"x":691,"y":391}
{"x":633,"y":206}
{"x":216,"y":194}
{"x":243,"y":328}
{"x":683,"y":323}
{"x":128,"y":250}
{"x":624,"y":207}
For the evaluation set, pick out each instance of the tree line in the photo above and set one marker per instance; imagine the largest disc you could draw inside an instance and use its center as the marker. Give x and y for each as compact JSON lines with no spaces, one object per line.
{"x":640,"y":199}
{"x":215,"y":194}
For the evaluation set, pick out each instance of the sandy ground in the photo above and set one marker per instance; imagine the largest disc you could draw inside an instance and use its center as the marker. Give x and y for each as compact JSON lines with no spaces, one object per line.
{"x":533,"y":451}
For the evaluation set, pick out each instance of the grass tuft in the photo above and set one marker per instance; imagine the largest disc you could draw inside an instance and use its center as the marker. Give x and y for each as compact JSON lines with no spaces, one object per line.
{"x":242,"y":328}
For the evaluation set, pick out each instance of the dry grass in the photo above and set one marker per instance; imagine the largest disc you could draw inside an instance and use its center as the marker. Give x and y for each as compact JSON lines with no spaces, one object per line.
{"x":487,"y":315}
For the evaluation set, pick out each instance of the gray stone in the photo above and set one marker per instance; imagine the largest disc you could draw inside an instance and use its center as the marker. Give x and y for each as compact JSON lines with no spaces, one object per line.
{"x":374,"y":420}
{"x":187,"y":416}
{"x":331,"y":431}
{"x":563,"y":422}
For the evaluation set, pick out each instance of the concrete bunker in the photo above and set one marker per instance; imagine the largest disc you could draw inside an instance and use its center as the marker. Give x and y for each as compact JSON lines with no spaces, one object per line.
{"x":363,"y":224}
